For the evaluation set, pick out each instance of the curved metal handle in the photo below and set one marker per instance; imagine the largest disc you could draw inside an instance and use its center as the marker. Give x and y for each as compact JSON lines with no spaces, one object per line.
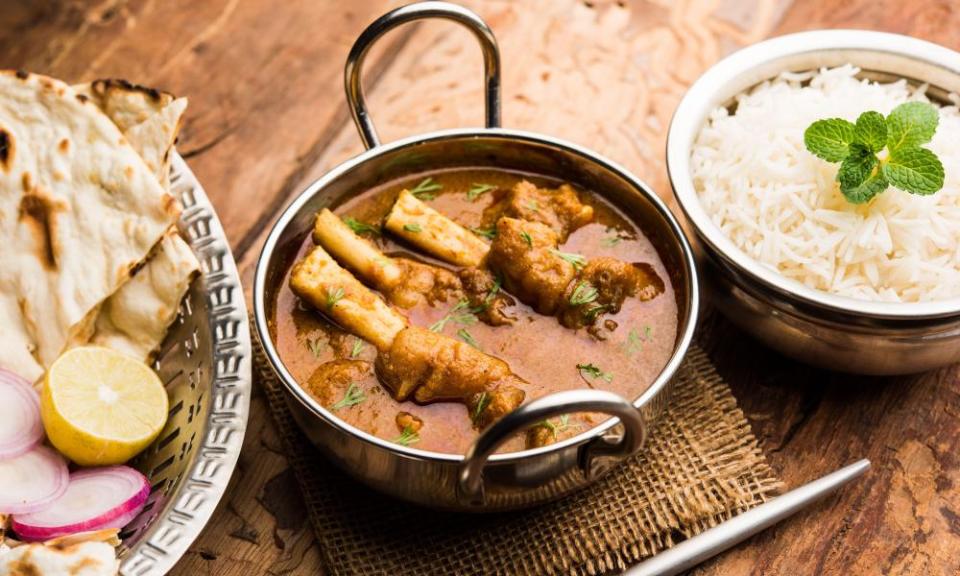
{"x":471,"y":471}
{"x":409,"y":13}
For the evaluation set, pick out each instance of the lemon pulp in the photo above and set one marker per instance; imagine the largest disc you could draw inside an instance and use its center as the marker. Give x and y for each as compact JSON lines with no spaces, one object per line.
{"x":101,"y":407}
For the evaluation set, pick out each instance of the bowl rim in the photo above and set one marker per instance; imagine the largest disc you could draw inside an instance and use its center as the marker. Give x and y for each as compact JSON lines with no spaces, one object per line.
{"x":688,"y":119}
{"x":684,"y":334}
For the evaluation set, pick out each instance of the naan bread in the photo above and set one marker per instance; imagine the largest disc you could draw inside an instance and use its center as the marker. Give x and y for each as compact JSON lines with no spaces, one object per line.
{"x":125,"y":103}
{"x":79,"y":211}
{"x":136,"y":318}
{"x":79,"y":554}
{"x":16,"y":347}
{"x":154,"y":137}
{"x":90,"y":558}
{"x":150,"y":119}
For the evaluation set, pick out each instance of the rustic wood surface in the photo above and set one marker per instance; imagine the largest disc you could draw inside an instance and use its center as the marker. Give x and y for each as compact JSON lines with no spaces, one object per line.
{"x":267,"y":115}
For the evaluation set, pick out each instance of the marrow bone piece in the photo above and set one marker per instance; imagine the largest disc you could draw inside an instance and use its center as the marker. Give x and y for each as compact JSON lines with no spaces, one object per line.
{"x":412,"y":361}
{"x":525,"y":253}
{"x":321,"y":281}
{"x":430,"y":230}
{"x":404,"y":282}
{"x":356,"y":253}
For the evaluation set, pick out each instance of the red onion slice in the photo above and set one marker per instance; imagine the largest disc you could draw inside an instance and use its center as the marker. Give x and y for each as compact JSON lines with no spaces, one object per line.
{"x":32,"y":481}
{"x":20,"y":425}
{"x":95,"y":499}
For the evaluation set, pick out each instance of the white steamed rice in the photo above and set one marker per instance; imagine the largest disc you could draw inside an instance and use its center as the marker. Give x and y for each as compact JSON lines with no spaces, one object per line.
{"x":781,"y":205}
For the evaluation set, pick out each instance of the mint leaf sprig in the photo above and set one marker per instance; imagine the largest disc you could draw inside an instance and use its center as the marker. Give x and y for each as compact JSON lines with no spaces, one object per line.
{"x":864,"y":170}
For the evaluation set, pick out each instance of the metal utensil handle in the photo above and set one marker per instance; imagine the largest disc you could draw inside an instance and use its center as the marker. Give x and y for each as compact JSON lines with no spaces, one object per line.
{"x":409,"y":13}
{"x":708,"y":544}
{"x":557,"y":404}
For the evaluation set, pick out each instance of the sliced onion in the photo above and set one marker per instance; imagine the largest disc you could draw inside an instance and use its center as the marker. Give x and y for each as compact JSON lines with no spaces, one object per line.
{"x":31,"y":481}
{"x":20,"y":425}
{"x":95,"y":499}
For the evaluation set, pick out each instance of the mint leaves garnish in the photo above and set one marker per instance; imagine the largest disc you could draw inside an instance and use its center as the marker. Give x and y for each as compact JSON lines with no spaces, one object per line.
{"x":871,"y":131}
{"x":830,"y":139}
{"x":910,"y":125}
{"x":864,"y":172}
{"x":916,"y":170}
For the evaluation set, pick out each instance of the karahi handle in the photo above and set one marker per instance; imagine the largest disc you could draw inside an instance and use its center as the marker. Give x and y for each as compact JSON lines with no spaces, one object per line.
{"x":410,"y":13}
{"x":471,"y":485}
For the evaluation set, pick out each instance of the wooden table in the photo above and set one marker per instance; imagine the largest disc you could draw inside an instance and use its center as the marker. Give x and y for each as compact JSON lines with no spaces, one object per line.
{"x":267,"y":115}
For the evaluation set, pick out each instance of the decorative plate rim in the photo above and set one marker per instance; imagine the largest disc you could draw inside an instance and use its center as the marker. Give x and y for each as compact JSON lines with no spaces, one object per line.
{"x":215,"y":457}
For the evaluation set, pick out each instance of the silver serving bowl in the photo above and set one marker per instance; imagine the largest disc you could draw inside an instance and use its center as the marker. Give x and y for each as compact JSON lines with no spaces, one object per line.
{"x":481,"y":480}
{"x":823,"y":329}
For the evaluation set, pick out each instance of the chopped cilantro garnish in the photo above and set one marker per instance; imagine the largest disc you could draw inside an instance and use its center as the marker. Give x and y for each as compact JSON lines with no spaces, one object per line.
{"x":425,"y":189}
{"x":353,"y":396}
{"x":478,"y":190}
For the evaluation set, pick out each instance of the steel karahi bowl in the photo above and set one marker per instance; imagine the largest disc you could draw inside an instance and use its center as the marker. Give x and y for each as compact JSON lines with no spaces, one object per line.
{"x":816,"y":327}
{"x":481,"y":480}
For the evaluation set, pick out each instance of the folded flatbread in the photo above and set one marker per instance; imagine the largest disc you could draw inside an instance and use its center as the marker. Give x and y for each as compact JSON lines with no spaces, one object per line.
{"x":136,"y":318}
{"x":89,"y":558}
{"x":79,"y":554}
{"x":79,"y":211}
{"x":127,"y":104}
{"x":149,"y":118}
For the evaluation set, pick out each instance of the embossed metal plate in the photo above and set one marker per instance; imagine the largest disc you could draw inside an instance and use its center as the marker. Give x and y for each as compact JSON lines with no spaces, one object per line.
{"x":205,"y":363}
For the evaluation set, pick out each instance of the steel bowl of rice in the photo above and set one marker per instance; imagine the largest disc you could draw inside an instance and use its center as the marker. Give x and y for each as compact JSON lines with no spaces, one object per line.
{"x":868,"y":285}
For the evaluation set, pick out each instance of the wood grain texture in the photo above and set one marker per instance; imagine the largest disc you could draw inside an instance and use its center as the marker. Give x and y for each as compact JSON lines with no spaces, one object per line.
{"x":261,"y":79}
{"x":267,"y":117}
{"x":899,"y":519}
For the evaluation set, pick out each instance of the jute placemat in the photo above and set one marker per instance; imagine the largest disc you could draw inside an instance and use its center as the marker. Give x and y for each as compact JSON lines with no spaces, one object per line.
{"x":701,"y":466}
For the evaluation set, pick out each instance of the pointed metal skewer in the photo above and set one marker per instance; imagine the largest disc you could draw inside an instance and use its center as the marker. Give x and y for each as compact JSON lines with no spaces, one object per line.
{"x":708,"y":544}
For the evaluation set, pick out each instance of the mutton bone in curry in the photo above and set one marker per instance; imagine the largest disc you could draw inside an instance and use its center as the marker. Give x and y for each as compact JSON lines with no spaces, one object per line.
{"x":407,"y":283}
{"x":484,"y":352}
{"x":576,"y":291}
{"x":412,"y":361}
{"x":530,"y":224}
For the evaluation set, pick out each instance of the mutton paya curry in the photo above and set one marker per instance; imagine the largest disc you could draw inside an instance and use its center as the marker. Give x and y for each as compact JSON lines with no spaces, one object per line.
{"x":426,"y":309}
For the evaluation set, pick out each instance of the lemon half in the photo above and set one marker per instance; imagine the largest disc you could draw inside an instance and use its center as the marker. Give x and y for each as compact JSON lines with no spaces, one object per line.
{"x":101,"y":407}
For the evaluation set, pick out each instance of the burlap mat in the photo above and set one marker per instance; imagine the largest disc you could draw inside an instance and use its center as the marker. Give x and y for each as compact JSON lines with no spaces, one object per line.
{"x":701,"y":466}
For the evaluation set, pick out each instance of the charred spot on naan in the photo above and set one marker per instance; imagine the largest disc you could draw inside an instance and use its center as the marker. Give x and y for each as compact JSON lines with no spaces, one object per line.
{"x":103,"y":87}
{"x":64,"y":145}
{"x":27,"y":315}
{"x":48,"y":85}
{"x":170,"y":205}
{"x":25,"y":566}
{"x":22,"y":74}
{"x":7,"y":149}
{"x":127,"y":270}
{"x":39,"y":212}
{"x":84,"y":564}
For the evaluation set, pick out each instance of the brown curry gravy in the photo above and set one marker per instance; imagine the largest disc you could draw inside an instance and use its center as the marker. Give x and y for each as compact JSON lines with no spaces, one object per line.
{"x":537,"y":348}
